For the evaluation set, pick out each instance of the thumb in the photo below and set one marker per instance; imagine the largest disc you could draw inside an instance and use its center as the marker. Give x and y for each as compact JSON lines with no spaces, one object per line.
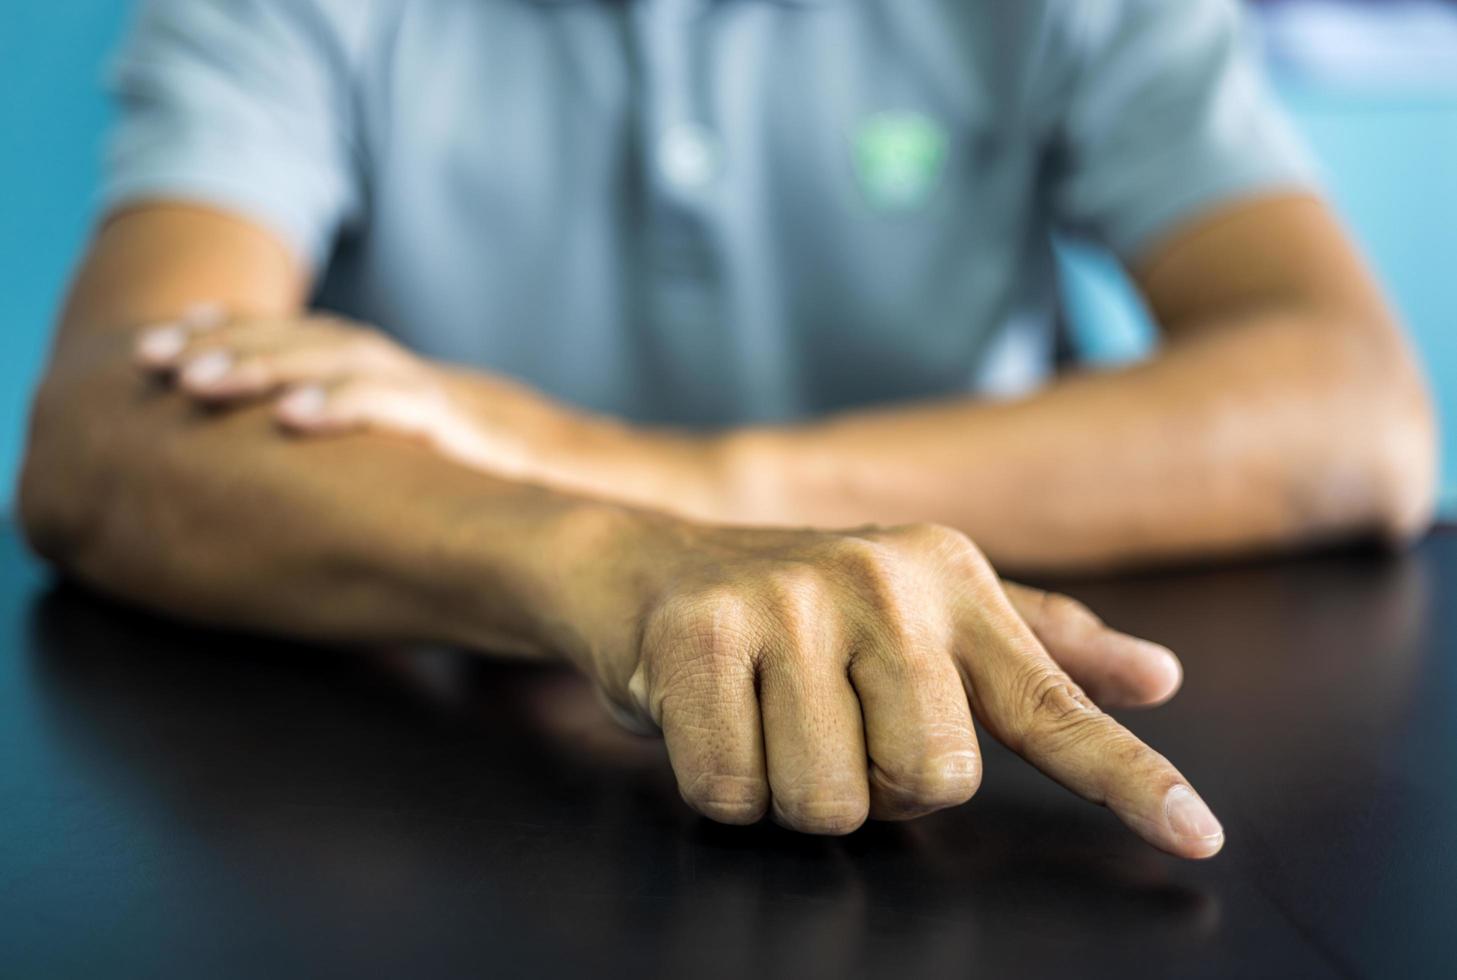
{"x":1115,"y":669}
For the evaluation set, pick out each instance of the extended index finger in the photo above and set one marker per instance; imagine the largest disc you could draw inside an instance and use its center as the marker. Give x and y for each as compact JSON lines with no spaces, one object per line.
{"x":1033,"y":707}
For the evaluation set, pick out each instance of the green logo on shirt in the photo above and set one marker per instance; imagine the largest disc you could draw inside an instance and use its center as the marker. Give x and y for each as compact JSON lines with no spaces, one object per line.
{"x":900,"y":157}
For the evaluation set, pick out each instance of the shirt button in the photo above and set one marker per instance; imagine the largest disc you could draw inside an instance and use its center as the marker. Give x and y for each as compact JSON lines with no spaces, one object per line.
{"x":688,"y":157}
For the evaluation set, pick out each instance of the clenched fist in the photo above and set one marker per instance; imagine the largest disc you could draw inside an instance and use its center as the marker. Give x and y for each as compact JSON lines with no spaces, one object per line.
{"x":827,"y":677}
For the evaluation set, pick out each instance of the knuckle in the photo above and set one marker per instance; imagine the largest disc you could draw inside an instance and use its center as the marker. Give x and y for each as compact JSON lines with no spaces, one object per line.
{"x":794,"y":591}
{"x":935,"y":534}
{"x":942,"y":538}
{"x":878,"y":574}
{"x":711,"y":626}
{"x":911,"y":661}
{"x":1050,"y":711}
{"x":726,"y":798}
{"x":856,"y":552}
{"x":704,"y":612}
{"x":1127,"y":753}
{"x":956,"y":552}
{"x":866,"y":562}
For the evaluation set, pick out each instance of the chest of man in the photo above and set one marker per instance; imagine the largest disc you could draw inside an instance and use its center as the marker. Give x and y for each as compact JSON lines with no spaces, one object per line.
{"x":741,"y":208}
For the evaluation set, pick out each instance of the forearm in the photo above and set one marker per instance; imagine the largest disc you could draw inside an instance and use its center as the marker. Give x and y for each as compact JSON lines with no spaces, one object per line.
{"x":1278,"y":428}
{"x":512,"y":429}
{"x":223,"y":520}
{"x":220,"y":518}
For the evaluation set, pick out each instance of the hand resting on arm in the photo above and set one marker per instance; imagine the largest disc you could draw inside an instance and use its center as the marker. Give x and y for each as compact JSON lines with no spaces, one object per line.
{"x":821,"y":676}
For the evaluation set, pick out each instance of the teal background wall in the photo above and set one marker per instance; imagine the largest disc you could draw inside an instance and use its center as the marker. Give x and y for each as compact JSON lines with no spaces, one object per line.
{"x":1391,"y":158}
{"x":52,"y":115}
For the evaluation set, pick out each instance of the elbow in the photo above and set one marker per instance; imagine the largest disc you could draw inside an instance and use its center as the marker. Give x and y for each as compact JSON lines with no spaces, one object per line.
{"x":53,"y":499}
{"x":1407,"y":461}
{"x":1370,"y":459}
{"x":1402,"y":452}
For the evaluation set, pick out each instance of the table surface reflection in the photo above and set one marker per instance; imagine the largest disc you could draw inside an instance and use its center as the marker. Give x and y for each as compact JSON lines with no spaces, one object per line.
{"x":178,"y":802}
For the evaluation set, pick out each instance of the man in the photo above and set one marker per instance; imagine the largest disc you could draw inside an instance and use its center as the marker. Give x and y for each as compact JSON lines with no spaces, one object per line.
{"x":674,"y":289}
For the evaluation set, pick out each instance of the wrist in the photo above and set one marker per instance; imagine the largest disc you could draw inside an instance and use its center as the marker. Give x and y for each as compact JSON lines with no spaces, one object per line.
{"x":596,"y":566}
{"x":748,"y":466}
{"x":658,"y":469}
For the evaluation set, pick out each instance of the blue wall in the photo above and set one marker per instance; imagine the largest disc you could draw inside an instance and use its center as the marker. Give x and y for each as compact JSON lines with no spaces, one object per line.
{"x":1392,"y":161}
{"x":51,"y":117}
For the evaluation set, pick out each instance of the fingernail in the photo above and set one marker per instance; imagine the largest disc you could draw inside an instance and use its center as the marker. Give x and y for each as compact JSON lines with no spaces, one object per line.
{"x":303,"y":403}
{"x":208,"y":368}
{"x":162,"y":343}
{"x":1188,"y":817}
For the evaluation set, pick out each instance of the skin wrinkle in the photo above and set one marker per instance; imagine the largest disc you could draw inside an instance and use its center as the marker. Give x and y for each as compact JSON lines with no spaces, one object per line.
{"x":1061,"y":620}
{"x":1045,"y":705}
{"x":748,"y":805}
{"x":924,"y":795}
{"x":893,"y":617}
{"x":712,"y":667}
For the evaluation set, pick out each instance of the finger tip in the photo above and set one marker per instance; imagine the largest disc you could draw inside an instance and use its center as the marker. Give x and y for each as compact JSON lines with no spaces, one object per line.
{"x":212,"y":372}
{"x":1177,"y":822}
{"x":1170,"y":675}
{"x":1191,"y":827}
{"x":1204,"y":850}
{"x":1158,"y":677}
{"x":1191,"y":849}
{"x":158,"y":347}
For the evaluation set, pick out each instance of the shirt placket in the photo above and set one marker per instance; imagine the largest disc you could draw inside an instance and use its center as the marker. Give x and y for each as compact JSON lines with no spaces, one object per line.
{"x":683,"y":164}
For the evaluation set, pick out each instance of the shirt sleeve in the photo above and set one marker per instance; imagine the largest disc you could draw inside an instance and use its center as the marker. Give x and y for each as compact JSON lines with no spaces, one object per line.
{"x":240,"y":104}
{"x":1165,"y":114}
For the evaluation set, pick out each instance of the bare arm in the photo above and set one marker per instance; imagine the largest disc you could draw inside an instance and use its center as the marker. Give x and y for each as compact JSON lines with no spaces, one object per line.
{"x":216,"y":517}
{"x":1284,"y":408}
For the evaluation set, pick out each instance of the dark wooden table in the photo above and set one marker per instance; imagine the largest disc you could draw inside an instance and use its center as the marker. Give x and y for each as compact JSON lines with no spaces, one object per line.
{"x":179,"y":803}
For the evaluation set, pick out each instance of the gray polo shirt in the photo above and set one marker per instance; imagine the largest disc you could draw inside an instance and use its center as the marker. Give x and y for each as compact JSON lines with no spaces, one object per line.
{"x":704,"y":212}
